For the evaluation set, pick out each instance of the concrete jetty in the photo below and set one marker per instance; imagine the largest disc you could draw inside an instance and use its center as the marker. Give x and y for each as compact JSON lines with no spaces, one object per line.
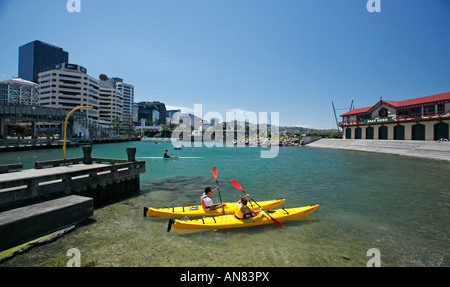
{"x":61,"y":192}
{"x":421,"y":149}
{"x":25,"y":222}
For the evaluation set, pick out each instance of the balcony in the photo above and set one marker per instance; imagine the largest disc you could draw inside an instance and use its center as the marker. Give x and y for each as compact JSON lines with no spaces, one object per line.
{"x":442,"y":115}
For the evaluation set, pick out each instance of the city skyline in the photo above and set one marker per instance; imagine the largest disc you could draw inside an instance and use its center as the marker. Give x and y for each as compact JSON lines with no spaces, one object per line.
{"x":292,"y":57}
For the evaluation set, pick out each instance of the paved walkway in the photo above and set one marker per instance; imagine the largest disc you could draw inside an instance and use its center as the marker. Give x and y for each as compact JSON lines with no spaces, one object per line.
{"x":422,"y":149}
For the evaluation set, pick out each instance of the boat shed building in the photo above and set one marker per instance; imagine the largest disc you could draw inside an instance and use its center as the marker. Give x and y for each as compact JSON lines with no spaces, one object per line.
{"x":424,"y":118}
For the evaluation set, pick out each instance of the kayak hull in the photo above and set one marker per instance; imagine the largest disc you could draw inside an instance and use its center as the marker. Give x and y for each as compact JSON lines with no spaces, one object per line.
{"x":230,"y":221}
{"x":197,"y":210}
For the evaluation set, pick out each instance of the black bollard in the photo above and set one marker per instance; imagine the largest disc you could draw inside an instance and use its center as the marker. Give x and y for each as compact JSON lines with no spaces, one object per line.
{"x":87,"y":158}
{"x":131,"y":152}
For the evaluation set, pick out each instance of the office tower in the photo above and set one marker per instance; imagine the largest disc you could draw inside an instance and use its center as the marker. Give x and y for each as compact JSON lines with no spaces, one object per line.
{"x":152,"y":111}
{"x":111,"y":103}
{"x":127,"y":92}
{"x":69,"y":86}
{"x":37,"y":56}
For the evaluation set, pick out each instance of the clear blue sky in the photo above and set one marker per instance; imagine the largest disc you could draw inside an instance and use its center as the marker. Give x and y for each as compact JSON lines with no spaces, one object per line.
{"x":289,"y":56}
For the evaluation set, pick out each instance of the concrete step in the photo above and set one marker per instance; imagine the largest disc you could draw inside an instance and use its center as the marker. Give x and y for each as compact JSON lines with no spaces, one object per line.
{"x":423,"y":149}
{"x":25,"y":223}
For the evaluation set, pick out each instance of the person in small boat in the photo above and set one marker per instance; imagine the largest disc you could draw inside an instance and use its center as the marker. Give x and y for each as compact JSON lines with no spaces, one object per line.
{"x":243,"y":211}
{"x":206,"y":199}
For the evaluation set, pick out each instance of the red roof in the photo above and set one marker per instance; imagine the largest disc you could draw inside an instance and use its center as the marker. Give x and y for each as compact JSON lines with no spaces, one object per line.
{"x":357,"y":111}
{"x":398,"y":104}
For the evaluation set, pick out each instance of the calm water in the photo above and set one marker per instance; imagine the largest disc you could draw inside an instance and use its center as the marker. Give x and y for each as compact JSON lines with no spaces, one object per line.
{"x":399,"y":205}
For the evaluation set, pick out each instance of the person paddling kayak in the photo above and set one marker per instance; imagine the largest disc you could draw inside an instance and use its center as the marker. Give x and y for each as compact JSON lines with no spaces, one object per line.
{"x":206,"y":199}
{"x":243,"y":211}
{"x":166,"y":155}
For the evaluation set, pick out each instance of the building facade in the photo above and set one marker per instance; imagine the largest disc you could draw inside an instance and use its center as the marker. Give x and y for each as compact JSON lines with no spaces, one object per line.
{"x":127,"y":92}
{"x":19,"y":91}
{"x":110,"y":103}
{"x":149,"y":113}
{"x":424,"y":118}
{"x":37,"y":56}
{"x":69,"y":86}
{"x":152,"y":111}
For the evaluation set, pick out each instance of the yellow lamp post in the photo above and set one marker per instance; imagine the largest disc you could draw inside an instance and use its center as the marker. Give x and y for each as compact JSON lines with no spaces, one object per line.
{"x":65,"y":124}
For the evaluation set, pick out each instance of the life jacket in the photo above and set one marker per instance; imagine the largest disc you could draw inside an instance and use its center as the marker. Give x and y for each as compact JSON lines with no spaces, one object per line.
{"x":202,"y":198}
{"x":238,"y":211}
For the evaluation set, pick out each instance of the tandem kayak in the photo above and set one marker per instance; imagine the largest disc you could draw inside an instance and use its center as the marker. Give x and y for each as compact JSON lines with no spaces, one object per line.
{"x":197,"y":210}
{"x":230,"y":221}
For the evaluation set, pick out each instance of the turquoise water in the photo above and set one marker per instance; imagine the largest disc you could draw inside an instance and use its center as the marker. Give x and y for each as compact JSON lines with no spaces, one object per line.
{"x":399,"y":205}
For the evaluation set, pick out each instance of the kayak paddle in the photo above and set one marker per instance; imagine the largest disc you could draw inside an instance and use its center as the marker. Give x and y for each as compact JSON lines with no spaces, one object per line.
{"x":214,"y":171}
{"x":238,"y":186}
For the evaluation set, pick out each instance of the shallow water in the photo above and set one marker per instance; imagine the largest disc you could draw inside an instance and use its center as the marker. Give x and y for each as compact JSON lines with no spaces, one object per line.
{"x":399,"y":205}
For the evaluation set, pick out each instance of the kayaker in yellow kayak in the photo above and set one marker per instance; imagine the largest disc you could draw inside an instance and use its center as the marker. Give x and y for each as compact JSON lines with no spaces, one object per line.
{"x":243,"y":211}
{"x":206,"y":199}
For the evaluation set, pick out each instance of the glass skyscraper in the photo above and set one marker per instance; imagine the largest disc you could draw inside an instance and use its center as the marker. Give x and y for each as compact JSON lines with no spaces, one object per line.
{"x":37,"y":56}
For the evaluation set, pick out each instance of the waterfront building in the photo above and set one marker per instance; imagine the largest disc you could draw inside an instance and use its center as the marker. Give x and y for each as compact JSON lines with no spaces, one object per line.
{"x":110,"y":102}
{"x":148,"y":112}
{"x":424,"y":118}
{"x":19,"y":91}
{"x":37,"y":56}
{"x":68,"y":86}
{"x":127,"y":92}
{"x":152,"y":111}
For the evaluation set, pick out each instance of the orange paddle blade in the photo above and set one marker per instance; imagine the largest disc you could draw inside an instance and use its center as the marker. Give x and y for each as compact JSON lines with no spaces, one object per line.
{"x":214,"y":170}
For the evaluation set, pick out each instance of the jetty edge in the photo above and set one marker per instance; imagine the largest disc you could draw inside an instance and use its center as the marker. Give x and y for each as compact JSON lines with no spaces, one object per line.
{"x":59,"y":193}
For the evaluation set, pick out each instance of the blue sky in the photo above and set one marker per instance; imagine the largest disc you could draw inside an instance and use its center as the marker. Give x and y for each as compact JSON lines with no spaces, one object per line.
{"x":289,"y":56}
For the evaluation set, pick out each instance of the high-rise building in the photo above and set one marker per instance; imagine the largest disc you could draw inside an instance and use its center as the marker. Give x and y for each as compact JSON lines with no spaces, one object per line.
{"x":111,"y":102}
{"x":37,"y":57}
{"x":127,"y":92}
{"x":159,"y":109}
{"x":19,"y":91}
{"x":69,"y":86}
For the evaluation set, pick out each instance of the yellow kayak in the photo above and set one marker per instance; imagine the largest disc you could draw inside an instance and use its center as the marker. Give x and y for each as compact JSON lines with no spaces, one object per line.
{"x":230,"y":221}
{"x":197,"y":210}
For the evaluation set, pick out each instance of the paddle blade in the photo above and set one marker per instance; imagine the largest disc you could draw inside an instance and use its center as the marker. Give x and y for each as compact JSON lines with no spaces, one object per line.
{"x":276,"y":221}
{"x":214,"y":170}
{"x":237,"y":185}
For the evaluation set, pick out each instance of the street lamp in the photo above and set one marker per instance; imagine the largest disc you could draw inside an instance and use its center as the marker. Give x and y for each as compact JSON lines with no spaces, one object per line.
{"x":65,"y":125}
